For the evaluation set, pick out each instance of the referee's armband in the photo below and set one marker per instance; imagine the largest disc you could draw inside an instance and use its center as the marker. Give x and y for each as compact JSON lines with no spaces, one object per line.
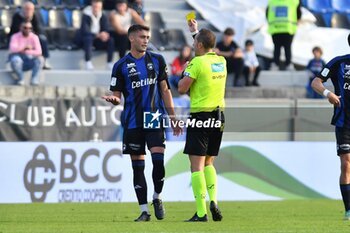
{"x":184,"y":73}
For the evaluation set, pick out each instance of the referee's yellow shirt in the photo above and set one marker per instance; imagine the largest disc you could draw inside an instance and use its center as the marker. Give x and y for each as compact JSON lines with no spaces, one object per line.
{"x":209,"y":78}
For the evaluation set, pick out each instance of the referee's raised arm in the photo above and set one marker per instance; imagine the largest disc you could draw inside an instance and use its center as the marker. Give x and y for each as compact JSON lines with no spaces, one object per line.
{"x":193,"y":27}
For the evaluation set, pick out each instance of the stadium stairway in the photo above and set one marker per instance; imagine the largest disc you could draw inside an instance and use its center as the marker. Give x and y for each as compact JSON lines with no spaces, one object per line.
{"x":173,"y":13}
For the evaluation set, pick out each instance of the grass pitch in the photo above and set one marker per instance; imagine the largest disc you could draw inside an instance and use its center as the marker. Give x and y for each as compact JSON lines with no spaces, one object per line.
{"x":309,"y":216}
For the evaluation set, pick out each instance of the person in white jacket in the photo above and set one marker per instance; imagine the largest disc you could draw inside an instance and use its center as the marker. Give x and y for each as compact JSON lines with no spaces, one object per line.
{"x":251,"y":68}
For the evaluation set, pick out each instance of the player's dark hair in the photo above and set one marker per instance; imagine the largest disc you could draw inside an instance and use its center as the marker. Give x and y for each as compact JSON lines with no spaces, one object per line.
{"x":317,"y":48}
{"x":349,"y":39}
{"x":92,"y":1}
{"x":249,"y":42}
{"x":229,"y":32}
{"x":207,"y":38}
{"x":137,"y":28}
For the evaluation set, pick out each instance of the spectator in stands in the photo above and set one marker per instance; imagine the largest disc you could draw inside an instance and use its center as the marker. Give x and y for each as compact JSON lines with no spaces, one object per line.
{"x":251,"y":64}
{"x":178,"y":65}
{"x":314,"y":67}
{"x":94,"y":33}
{"x":121,"y":19}
{"x":232,"y":53}
{"x":25,"y":53}
{"x":282,"y":17}
{"x":137,"y":6}
{"x":28,"y":14}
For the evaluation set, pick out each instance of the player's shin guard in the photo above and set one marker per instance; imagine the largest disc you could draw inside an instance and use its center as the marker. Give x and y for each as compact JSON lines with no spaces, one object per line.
{"x":211,"y":182}
{"x":199,"y":191}
{"x":140,"y":184}
{"x":158,"y":172}
{"x":345,"y":192}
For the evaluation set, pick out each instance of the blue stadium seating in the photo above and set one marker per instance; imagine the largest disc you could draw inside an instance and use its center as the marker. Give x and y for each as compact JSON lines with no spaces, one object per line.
{"x":72,"y":4}
{"x":48,"y":4}
{"x":18,"y":3}
{"x":340,"y":20}
{"x":5,"y":3}
{"x":322,"y":8}
{"x":342,"y":6}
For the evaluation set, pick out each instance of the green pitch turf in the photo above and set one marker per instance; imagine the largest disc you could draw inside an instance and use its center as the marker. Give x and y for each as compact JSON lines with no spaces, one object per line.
{"x":309,"y":216}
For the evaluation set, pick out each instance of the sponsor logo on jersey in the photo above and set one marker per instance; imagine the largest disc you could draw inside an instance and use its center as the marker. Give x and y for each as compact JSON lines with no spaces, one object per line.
{"x":133,"y":72}
{"x":130,"y":65}
{"x":144,"y":82}
{"x":217,"y":67}
{"x":346,"y":73}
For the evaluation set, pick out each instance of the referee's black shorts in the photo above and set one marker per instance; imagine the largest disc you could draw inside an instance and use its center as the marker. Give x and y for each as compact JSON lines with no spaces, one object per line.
{"x":134,"y":140}
{"x":343,"y":140}
{"x":205,"y":141}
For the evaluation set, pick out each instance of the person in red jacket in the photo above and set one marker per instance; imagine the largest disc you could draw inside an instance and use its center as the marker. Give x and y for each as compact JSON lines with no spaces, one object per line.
{"x":178,"y":65}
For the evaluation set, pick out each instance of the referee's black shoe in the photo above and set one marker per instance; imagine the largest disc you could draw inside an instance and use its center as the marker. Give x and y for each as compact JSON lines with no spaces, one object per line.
{"x":144,"y":217}
{"x":159,"y":210}
{"x":195,"y":218}
{"x":215,"y":212}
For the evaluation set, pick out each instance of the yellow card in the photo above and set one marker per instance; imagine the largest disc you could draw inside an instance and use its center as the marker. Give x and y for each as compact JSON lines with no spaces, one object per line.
{"x":191,"y":15}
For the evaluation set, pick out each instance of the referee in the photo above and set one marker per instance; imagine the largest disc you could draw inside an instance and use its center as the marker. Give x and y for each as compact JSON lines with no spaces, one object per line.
{"x":338,"y":70}
{"x":205,"y":78}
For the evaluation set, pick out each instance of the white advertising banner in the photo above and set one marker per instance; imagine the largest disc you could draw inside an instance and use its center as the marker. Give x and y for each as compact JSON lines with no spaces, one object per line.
{"x":98,"y":172}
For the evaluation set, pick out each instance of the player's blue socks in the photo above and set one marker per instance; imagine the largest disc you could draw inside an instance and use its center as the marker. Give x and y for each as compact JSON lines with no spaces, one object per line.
{"x":140,"y":184}
{"x":158,"y":172}
{"x":345,"y":192}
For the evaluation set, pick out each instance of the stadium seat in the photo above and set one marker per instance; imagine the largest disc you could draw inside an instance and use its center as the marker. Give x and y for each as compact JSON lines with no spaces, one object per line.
{"x":53,"y":21}
{"x":3,"y":38}
{"x":5,"y":25}
{"x":76,"y":19}
{"x":323,"y":8}
{"x":154,"y":21}
{"x":19,"y":3}
{"x":340,"y":20}
{"x":71,"y":4}
{"x":303,"y":3}
{"x":63,"y":38}
{"x":48,"y":4}
{"x":158,"y":39}
{"x":57,"y":19}
{"x":6,"y":17}
{"x":73,"y":18}
{"x":44,"y":17}
{"x":342,"y":6}
{"x":5,"y":4}
{"x":176,"y":39}
{"x":320,"y":21}
{"x":50,"y":35}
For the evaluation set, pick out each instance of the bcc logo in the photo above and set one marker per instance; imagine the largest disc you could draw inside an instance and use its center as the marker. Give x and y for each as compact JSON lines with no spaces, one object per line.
{"x":38,"y":191}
